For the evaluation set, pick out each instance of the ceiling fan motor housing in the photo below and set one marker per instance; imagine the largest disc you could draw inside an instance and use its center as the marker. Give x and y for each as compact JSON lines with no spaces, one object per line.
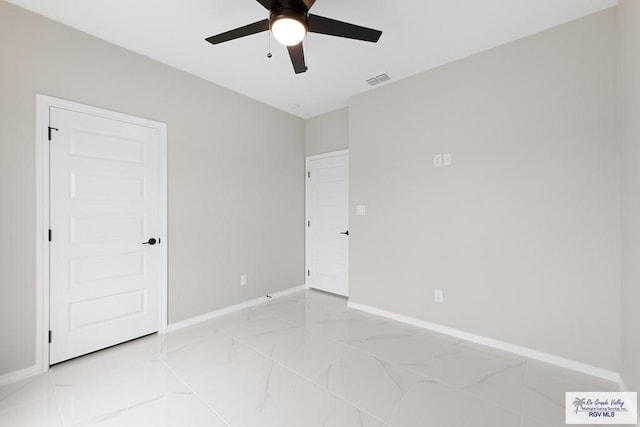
{"x":288,"y":12}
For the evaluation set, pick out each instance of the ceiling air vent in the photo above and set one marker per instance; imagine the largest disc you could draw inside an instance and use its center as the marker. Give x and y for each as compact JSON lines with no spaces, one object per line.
{"x":373,"y":81}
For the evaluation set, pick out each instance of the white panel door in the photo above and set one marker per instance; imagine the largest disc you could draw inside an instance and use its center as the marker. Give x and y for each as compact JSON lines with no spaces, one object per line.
{"x":106,"y":190}
{"x":328,"y":224}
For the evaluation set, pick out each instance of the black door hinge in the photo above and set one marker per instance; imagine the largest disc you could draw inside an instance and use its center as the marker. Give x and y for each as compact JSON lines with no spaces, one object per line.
{"x":50,"y":235}
{"x":308,"y":273}
{"x":308,"y":174}
{"x":49,"y":337}
{"x":50,"y":129}
{"x":308,"y":223}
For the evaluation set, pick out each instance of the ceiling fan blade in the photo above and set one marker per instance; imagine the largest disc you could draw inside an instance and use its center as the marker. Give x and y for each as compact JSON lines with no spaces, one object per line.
{"x":265,"y":3}
{"x":308,"y":3}
{"x":247,"y":30}
{"x":297,"y":58}
{"x":331,"y":27}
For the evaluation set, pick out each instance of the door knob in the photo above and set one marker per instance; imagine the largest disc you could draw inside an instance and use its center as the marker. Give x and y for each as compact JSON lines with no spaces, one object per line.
{"x":346,"y":233}
{"x":151,"y":242}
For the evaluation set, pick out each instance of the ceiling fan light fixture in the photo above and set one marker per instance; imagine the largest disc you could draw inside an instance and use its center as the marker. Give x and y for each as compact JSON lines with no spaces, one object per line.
{"x":289,"y":21}
{"x":288,"y":30}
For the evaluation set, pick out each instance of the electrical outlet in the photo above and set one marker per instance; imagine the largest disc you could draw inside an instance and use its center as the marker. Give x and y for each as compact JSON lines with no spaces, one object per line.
{"x":447,"y":159}
{"x":361,"y":210}
{"x":438,"y":296}
{"x":243,"y":280}
{"x":437,"y":160}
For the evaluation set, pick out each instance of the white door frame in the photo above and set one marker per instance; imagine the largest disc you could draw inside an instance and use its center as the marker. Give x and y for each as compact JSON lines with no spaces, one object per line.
{"x":307,"y":203}
{"x":43,"y":103}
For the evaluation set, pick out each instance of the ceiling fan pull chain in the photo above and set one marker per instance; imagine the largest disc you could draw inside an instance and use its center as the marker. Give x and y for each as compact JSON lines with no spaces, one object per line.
{"x":306,"y":43}
{"x":269,"y":55}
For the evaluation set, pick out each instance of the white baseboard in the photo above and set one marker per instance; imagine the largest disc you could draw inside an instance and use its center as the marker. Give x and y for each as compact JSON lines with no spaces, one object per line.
{"x":31,"y":371}
{"x":501,"y":345}
{"x":20,"y":375}
{"x":227,"y":310}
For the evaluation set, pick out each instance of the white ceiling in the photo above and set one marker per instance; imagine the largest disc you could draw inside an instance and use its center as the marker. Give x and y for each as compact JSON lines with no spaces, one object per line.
{"x":418,"y":35}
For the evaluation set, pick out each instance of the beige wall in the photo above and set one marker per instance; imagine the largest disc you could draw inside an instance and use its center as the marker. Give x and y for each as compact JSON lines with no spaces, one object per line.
{"x":523,"y":232}
{"x":328,"y":132}
{"x":629,"y":90}
{"x":236,"y":181}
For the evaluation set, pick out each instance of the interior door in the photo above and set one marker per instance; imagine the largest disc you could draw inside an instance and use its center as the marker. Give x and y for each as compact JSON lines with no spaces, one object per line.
{"x":328,"y":223}
{"x":106,"y":222}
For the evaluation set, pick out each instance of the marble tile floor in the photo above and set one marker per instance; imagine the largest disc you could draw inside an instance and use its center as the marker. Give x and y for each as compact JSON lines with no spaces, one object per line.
{"x":301,"y":360}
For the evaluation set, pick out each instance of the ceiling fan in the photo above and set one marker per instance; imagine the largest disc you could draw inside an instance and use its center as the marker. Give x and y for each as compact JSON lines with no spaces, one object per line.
{"x":289,"y":21}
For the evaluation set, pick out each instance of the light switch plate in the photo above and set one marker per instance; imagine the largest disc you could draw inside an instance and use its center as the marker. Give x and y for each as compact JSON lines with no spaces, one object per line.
{"x":361,"y":210}
{"x":437,"y":160}
{"x":447,"y":159}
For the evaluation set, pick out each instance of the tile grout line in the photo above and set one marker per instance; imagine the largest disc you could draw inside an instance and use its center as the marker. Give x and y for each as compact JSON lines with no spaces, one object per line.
{"x":49,"y":392}
{"x":316,"y":334}
{"x":344,"y":400}
{"x":483,"y":399}
{"x":395,"y":408}
{"x":271,"y":312}
{"x":352,"y":348}
{"x":422,"y":376}
{"x":10,"y":407}
{"x":197,"y":395}
{"x":305,"y":379}
{"x":17,"y":389}
{"x":55,"y":399}
{"x":426,"y":378}
{"x":355,"y":346}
